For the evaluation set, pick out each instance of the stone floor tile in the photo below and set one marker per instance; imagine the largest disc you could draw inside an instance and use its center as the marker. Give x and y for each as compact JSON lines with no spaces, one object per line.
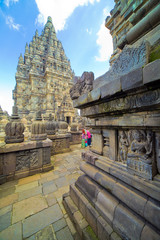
{"x":33,"y":237}
{"x":13,"y":232}
{"x":24,"y":187}
{"x":7,"y":191}
{"x":5,"y":221}
{"x":30,"y":193}
{"x":62,"y":207}
{"x":5,"y":210}
{"x":8,"y":200}
{"x":51,"y":200}
{"x":64,"y":234}
{"x":61,"y":182}
{"x":46,"y":233}
{"x":28,"y":207}
{"x":61,"y":191}
{"x":59,"y":224}
{"x":49,"y":187}
{"x":8,"y":184}
{"x":28,"y":179}
{"x":45,"y":175}
{"x":41,"y":220}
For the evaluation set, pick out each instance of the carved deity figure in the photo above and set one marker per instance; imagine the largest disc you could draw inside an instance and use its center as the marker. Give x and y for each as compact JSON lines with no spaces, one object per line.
{"x":123,"y":147}
{"x":142,"y":145}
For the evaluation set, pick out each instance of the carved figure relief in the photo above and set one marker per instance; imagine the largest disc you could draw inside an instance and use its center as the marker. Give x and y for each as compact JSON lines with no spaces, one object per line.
{"x":123,"y":147}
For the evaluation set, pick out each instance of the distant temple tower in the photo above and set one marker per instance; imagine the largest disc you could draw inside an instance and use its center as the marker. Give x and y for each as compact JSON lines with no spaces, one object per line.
{"x":44,"y":78}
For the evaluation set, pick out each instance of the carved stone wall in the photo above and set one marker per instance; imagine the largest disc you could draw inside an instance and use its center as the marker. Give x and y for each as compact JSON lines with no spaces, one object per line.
{"x":24,"y":159}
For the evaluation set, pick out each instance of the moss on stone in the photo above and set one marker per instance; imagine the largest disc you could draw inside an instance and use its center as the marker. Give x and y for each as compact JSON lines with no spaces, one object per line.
{"x":155,"y":54}
{"x":91,"y":233}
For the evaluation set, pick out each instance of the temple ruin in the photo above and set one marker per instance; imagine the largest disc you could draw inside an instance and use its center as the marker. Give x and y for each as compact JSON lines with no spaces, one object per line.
{"x":118,"y":197}
{"x":44,"y":78}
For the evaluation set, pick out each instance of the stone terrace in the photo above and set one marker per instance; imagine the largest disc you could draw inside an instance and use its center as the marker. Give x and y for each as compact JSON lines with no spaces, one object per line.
{"x":31,"y":208}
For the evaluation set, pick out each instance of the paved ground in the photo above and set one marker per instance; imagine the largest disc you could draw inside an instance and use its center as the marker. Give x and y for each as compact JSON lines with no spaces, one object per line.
{"x":31,"y":208}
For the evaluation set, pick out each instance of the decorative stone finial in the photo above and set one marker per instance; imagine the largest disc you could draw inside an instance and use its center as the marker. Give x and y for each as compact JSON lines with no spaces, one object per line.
{"x":14,"y":129}
{"x":38,"y":130}
{"x":49,"y":19}
{"x":26,"y":49}
{"x":36,"y":33}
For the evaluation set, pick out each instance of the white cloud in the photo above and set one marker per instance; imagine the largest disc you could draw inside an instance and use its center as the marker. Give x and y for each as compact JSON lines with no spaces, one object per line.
{"x":104,"y":41}
{"x":59,"y":10}
{"x":12,"y":24}
{"x":7,"y":2}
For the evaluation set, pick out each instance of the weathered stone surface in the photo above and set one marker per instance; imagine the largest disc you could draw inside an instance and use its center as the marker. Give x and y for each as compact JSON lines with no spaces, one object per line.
{"x":97,"y":143}
{"x":151,"y":72}
{"x":88,"y":187}
{"x":64,"y":234}
{"x":5,"y":221}
{"x":80,"y":222}
{"x":106,"y":205}
{"x":13,"y":232}
{"x":27,"y":207}
{"x":41,"y":220}
{"x":126,"y":223}
{"x":83,"y":85}
{"x":91,"y":217}
{"x":88,"y":170}
{"x":46,"y":233}
{"x":8,"y":200}
{"x":104,"y":229}
{"x":59,"y":224}
{"x":30,"y":193}
{"x":132,"y":198}
{"x":111,"y":88}
{"x":152,"y":212}
{"x":132,"y":80}
{"x":149,"y":233}
{"x":125,"y":104}
{"x":49,"y":187}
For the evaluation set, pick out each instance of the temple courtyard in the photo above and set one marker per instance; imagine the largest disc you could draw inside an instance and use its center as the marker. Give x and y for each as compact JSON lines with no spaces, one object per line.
{"x":31,"y":208}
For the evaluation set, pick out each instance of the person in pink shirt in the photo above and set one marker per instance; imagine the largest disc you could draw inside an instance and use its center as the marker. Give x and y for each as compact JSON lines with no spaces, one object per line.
{"x":89,"y":138}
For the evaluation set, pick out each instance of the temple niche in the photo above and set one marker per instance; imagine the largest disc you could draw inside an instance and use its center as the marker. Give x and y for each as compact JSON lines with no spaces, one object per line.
{"x":44,"y":78}
{"x":118,"y":197}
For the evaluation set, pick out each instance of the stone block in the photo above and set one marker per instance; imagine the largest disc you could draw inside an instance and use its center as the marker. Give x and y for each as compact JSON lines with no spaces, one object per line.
{"x":5,"y":221}
{"x":149,"y":233}
{"x":127,"y":224}
{"x":64,"y":234}
{"x":97,"y":143}
{"x":111,"y":88}
{"x":91,"y":217}
{"x":152,"y":213}
{"x":80,"y":222}
{"x":132,"y":198}
{"x":88,"y":170}
{"x":88,"y":187}
{"x":105,"y":180}
{"x":114,"y":236}
{"x":151,"y":72}
{"x":132,"y":80}
{"x":83,"y":202}
{"x":106,"y":205}
{"x":75,"y":194}
{"x":9,"y":163}
{"x":70,"y":206}
{"x":157,"y":145}
{"x":104,"y":229}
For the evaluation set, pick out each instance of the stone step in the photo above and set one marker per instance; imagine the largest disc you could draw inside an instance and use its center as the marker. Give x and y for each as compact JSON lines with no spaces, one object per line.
{"x":85,"y":232}
{"x":97,"y":226}
{"x":123,"y":219}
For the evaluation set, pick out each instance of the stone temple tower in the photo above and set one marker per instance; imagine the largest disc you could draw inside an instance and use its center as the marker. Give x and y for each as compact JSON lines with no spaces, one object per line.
{"x":44,"y":78}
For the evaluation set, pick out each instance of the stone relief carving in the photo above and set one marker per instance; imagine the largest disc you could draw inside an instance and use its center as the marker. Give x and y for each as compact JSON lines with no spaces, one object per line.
{"x":123,"y":147}
{"x":83,"y":85}
{"x":135,"y":148}
{"x":22,"y":160}
{"x":26,"y":159}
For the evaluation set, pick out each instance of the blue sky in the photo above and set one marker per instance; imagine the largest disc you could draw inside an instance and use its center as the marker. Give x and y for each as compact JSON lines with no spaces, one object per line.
{"x":79,"y":26}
